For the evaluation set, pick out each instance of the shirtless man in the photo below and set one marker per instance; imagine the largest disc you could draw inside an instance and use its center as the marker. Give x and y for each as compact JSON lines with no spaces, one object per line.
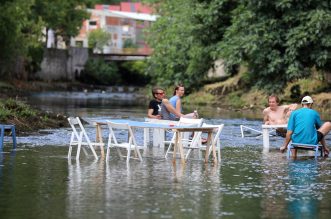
{"x":276,"y":114}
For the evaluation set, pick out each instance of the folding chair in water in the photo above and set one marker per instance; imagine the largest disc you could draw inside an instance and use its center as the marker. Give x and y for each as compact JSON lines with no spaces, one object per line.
{"x":80,"y":138}
{"x":129,"y":142}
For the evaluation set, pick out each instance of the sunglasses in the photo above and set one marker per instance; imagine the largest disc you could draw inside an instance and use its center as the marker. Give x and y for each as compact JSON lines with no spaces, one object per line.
{"x":160,"y":93}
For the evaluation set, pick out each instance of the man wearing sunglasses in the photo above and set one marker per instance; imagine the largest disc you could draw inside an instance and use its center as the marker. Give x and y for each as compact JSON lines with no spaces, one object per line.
{"x":154,"y":107}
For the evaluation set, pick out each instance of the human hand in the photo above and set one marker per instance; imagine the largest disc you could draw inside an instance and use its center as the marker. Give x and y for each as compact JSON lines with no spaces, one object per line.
{"x":326,"y":152}
{"x":158,"y":117}
{"x":283,"y":148}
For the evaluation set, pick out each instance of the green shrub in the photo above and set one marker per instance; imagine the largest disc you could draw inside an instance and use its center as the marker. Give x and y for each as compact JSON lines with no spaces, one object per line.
{"x":98,"y":71}
{"x":134,"y":72}
{"x":11,"y":108}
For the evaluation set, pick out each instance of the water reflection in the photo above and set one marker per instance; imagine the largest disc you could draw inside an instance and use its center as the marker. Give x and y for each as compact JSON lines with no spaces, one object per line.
{"x":303,"y":190}
{"x":153,"y":187}
{"x":85,"y":187}
{"x":246,"y":184}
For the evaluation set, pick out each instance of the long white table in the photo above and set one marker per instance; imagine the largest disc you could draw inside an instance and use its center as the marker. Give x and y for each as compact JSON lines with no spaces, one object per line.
{"x":266,"y":132}
{"x":161,"y":125}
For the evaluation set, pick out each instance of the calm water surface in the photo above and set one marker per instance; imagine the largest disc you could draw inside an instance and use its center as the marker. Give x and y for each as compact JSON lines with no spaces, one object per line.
{"x":37,"y":180}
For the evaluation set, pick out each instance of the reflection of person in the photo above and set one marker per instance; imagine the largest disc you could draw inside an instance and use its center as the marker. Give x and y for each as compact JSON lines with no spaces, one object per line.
{"x":302,"y":200}
{"x":154,"y":107}
{"x":277,"y":114}
{"x":176,"y":103}
{"x":305,"y":127}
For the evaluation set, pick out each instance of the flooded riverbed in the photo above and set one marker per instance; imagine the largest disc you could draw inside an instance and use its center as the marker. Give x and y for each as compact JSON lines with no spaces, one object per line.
{"x":37,"y":181}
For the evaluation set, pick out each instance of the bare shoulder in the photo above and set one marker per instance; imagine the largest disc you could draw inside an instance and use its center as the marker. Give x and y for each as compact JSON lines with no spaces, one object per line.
{"x":266,"y":110}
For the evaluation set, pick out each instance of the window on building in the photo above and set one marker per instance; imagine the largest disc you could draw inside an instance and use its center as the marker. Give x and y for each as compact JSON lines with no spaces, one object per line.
{"x":92,"y":23}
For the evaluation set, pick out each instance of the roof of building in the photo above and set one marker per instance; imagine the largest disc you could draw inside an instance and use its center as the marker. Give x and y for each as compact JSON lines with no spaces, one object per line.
{"x":121,"y":14}
{"x":134,"y":7}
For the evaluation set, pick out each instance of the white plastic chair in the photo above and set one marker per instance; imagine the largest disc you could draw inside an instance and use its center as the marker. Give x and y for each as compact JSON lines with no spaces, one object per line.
{"x":185,"y":139}
{"x":130,"y":143}
{"x":215,"y":140}
{"x":79,"y":137}
{"x":310,"y":147}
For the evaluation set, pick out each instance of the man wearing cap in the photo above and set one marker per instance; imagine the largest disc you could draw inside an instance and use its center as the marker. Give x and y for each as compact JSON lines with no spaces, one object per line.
{"x":305,"y":126}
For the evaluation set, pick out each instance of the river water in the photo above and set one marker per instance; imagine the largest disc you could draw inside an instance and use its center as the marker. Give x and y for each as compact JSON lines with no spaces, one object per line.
{"x":37,"y":180}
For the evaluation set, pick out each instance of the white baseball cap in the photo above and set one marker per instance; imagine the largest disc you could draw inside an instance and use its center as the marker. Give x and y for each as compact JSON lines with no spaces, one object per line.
{"x":307,"y":100}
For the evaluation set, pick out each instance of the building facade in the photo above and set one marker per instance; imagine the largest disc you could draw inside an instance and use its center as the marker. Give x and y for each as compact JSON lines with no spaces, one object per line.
{"x":126,"y":24}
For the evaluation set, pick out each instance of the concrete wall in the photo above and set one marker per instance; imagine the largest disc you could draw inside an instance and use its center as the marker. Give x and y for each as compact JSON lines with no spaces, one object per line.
{"x":77,"y":57}
{"x":59,"y":64}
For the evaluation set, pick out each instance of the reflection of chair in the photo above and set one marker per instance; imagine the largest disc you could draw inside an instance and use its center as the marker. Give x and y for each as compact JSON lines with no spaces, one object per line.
{"x":129,"y":144}
{"x":243,"y":128}
{"x":186,"y":136}
{"x":78,"y":136}
{"x":309,"y":147}
{"x":196,"y":143}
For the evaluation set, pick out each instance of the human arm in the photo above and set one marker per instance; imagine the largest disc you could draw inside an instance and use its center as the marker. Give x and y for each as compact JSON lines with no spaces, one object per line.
{"x":150,"y":114}
{"x":287,"y":141}
{"x":170,"y":108}
{"x":178,"y":105}
{"x":288,"y":109}
{"x":266,"y":117}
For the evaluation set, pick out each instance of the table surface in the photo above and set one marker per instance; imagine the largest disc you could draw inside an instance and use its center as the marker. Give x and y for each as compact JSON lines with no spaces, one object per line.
{"x":141,"y":124}
{"x":274,"y":126}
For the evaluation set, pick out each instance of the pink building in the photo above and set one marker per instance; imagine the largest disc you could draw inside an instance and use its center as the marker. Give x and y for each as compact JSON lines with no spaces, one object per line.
{"x":125,"y":23}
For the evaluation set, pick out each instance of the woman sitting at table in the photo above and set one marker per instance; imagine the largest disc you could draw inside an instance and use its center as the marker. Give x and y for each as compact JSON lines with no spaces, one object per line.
{"x":172,"y":109}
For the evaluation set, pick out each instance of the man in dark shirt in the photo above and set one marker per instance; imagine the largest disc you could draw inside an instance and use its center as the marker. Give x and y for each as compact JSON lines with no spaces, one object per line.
{"x":154,"y":108}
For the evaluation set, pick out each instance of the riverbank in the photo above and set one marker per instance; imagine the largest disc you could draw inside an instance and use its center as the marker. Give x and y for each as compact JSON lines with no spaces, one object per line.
{"x":27,"y":119}
{"x":222,"y":96}
{"x":234,"y":95}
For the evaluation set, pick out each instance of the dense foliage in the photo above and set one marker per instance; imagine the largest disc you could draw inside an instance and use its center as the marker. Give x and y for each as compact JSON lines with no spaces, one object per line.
{"x":97,"y":71}
{"x":184,"y":38}
{"x":278,"y":41}
{"x":22,"y":22}
{"x":19,"y":33}
{"x":98,"y":38}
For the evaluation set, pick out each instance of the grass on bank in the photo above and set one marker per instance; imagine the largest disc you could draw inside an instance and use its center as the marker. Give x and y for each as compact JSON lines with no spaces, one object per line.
{"x":26,"y":118}
{"x":233,"y":93}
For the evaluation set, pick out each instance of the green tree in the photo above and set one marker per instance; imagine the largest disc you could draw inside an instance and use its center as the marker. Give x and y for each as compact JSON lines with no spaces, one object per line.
{"x":98,"y":38}
{"x":184,"y":38}
{"x":65,"y":17}
{"x":21,"y":23}
{"x":279,"y":40}
{"x":97,"y":71}
{"x":19,"y":35}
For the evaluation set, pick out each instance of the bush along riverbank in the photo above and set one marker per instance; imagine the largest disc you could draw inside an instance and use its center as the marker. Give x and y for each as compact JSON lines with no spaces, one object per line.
{"x":234,"y":94}
{"x":27,"y":119}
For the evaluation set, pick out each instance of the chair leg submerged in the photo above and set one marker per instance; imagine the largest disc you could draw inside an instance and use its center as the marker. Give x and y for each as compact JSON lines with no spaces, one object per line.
{"x":294,"y":147}
{"x":3,"y":128}
{"x":80,"y":138}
